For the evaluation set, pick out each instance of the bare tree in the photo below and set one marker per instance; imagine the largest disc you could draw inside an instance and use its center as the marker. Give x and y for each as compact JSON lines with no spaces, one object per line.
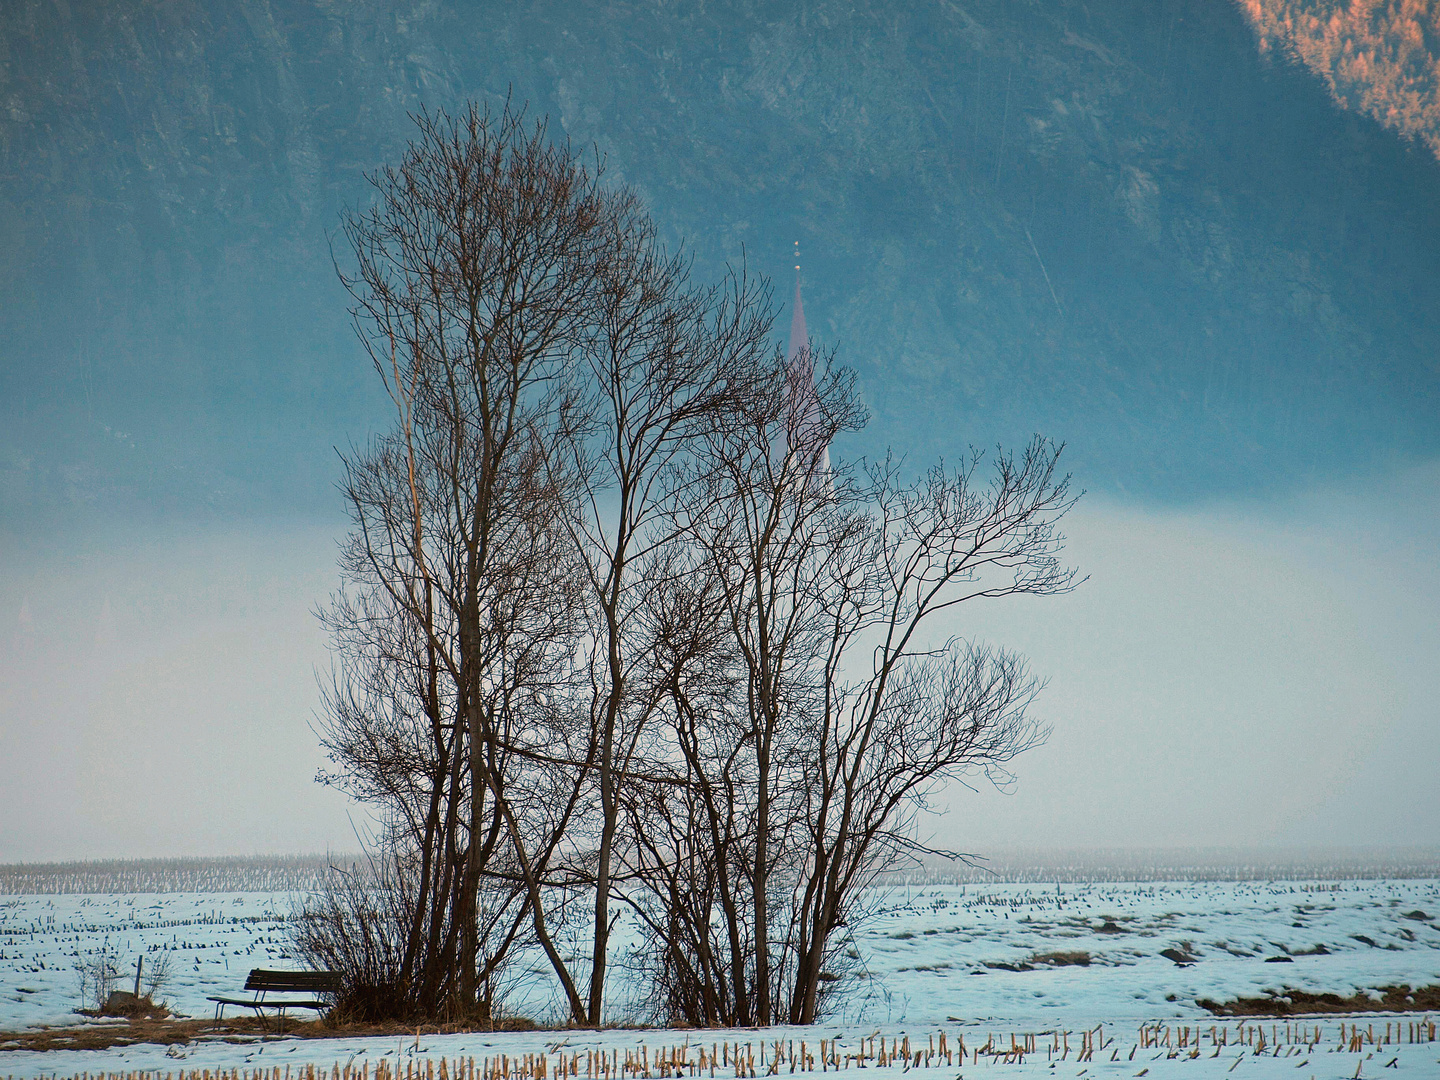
{"x":549,"y":363}
{"x":611,"y":629}
{"x":474,"y":266}
{"x":900,"y":712}
{"x":802,"y":787}
{"x":753,"y":506}
{"x":666,"y":365}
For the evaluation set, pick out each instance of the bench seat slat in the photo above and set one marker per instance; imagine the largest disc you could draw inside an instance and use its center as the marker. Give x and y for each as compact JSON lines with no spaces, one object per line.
{"x":314,"y":981}
{"x":272,"y":1003}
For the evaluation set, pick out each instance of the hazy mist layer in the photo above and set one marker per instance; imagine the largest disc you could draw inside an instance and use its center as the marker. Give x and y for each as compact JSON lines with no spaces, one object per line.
{"x":1233,"y":675}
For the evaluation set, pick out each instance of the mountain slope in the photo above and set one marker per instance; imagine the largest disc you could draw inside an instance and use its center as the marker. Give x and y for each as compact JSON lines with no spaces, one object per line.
{"x":1116,"y":223}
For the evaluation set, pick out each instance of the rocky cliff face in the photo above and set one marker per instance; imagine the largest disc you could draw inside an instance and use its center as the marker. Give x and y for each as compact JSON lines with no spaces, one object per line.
{"x":1113,"y":222}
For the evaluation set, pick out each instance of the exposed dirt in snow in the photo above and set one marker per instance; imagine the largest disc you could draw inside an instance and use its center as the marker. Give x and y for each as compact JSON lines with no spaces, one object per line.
{"x":1287,"y":1002}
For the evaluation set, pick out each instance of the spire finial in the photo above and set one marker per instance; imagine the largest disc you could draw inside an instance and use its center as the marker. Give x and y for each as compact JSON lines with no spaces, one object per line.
{"x":799,"y":339}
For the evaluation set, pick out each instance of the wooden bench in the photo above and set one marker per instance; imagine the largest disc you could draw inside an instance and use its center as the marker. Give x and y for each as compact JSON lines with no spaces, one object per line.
{"x":262,"y":982}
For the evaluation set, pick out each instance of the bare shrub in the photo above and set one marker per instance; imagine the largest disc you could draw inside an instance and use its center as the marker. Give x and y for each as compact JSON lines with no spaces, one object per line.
{"x":157,"y":974}
{"x":99,"y":974}
{"x":359,"y":923}
{"x":356,"y":924}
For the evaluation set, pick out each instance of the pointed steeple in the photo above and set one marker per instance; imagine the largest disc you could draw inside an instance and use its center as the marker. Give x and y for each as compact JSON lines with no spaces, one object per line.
{"x":804,"y":425}
{"x":799,"y":338}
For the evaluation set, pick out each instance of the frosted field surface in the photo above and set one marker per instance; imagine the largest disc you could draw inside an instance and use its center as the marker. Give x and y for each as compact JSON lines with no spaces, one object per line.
{"x":210,"y":940}
{"x":982,"y":962}
{"x":1249,"y":1051}
{"x":1092,"y":953}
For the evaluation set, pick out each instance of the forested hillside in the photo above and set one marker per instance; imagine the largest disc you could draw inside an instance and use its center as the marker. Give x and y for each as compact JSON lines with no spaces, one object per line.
{"x":1114,"y":222}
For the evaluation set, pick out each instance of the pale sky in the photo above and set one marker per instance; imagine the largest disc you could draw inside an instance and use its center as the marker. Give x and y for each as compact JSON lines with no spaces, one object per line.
{"x":1236,"y":674}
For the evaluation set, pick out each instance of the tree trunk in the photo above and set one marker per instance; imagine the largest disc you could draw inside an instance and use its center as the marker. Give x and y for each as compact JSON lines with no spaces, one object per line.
{"x":470,"y":889}
{"x":762,"y":914}
{"x":609,"y":813}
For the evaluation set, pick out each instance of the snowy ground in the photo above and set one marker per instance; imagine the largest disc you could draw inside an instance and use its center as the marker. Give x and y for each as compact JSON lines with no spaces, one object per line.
{"x":994,"y":960}
{"x":930,"y":950}
{"x":211,"y":941}
{"x":1235,"y":1054}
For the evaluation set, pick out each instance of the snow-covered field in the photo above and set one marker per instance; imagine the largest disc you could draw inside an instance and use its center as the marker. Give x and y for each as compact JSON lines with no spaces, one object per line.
{"x":210,"y":941}
{"x":973,"y":960}
{"x":948,"y":952}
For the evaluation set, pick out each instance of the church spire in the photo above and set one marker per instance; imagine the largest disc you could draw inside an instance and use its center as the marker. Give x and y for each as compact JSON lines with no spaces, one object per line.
{"x":804,"y":426}
{"x":799,"y":339}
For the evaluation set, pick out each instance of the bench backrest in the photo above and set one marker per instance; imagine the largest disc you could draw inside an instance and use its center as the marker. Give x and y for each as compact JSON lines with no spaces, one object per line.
{"x":312,"y":982}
